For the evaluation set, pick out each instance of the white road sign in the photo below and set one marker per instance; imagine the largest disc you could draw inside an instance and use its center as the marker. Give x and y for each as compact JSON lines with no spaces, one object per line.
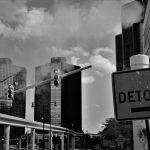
{"x":131,"y":92}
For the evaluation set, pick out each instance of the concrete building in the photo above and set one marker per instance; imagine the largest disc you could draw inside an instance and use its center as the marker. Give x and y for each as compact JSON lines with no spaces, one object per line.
{"x":59,"y":105}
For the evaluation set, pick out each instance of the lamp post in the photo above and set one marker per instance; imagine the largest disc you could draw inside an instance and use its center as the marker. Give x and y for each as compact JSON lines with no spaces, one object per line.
{"x":43,"y":144}
{"x":50,"y":142}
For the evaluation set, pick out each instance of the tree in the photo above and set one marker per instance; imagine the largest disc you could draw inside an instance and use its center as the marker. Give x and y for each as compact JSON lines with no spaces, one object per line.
{"x":83,"y":141}
{"x":87,"y":142}
{"x":114,"y":128}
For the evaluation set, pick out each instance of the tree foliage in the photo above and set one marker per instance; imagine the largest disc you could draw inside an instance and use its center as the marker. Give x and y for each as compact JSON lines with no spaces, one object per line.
{"x":114,"y":128}
{"x":87,"y":142}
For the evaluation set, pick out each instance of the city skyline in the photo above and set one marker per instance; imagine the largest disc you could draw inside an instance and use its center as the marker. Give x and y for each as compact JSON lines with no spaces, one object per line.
{"x":84,"y":32}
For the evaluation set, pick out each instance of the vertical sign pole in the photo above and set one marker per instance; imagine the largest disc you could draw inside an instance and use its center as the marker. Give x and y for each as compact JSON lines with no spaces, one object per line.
{"x":147,"y":131}
{"x":137,"y":62}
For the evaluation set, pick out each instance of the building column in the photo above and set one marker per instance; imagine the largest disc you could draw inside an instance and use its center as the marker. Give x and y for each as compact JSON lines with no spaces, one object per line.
{"x":19,"y":144}
{"x":68,"y":141}
{"x":6,"y":137}
{"x":50,"y":140}
{"x":62,"y":141}
{"x":73,"y":141}
{"x":32,"y":139}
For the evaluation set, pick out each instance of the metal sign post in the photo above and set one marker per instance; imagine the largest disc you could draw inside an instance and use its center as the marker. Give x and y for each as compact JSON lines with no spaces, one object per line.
{"x":131,"y":91}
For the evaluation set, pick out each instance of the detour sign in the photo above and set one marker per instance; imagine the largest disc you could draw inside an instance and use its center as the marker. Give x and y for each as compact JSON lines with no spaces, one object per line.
{"x":131,"y":94}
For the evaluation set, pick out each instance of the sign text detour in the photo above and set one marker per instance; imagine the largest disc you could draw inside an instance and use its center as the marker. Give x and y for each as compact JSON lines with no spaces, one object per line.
{"x":134,"y":96}
{"x":131,"y":91}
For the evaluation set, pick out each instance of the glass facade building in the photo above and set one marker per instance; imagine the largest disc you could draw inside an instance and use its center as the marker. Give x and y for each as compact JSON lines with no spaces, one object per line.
{"x":59,"y":105}
{"x":130,"y":41}
{"x":119,"y":52}
{"x":18,"y":75}
{"x":10,"y":74}
{"x":147,"y":30}
{"x":127,"y":44}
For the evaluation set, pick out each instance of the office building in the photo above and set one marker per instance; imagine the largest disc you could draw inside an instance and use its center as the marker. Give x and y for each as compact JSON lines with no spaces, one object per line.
{"x":130,"y":41}
{"x":127,"y":44}
{"x":147,"y":30}
{"x":59,"y":105}
{"x":119,"y":52}
{"x":12,"y":74}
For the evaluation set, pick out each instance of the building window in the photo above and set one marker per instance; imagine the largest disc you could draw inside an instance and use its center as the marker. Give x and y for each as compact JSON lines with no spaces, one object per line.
{"x":54,"y":103}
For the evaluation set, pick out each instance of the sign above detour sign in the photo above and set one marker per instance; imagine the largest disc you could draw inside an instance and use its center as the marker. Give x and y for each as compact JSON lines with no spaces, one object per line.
{"x":131,"y":94}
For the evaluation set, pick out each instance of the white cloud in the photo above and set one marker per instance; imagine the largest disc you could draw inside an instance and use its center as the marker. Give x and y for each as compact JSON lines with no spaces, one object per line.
{"x":102,"y":65}
{"x":101,"y":126}
{"x":75,"y":53}
{"x":126,"y":1}
{"x":96,"y":105}
{"x":131,"y":13}
{"x":87,"y":79}
{"x":80,"y":51}
{"x":96,"y":24}
{"x":68,"y":21}
{"x":36,"y":23}
{"x":18,"y":50}
{"x":101,"y":62}
{"x":104,"y":52}
{"x":12,"y":10}
{"x":74,"y":60}
{"x":57,"y":52}
{"x":117,"y":29}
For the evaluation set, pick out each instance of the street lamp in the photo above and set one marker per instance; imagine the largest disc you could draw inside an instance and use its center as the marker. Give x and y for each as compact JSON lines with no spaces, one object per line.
{"x":43,"y":141}
{"x":50,"y":142}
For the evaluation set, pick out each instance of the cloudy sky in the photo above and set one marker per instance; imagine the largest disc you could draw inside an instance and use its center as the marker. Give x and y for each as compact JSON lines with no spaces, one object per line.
{"x":33,"y":31}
